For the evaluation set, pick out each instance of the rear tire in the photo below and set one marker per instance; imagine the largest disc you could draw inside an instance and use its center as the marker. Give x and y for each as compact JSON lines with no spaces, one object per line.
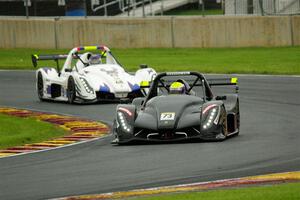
{"x":40,"y":86}
{"x":224,"y":124}
{"x":238,"y":116}
{"x":71,"y":90}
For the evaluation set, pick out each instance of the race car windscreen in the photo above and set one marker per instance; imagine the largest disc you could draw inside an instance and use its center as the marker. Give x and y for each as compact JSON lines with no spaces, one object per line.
{"x":95,"y":58}
{"x":107,"y":58}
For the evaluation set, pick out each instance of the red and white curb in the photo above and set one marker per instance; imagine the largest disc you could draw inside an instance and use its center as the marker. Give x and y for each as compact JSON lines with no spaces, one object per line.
{"x":246,"y":181}
{"x":81,"y":130}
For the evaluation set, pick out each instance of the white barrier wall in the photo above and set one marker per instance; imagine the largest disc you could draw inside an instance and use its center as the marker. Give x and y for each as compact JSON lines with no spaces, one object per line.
{"x":296,"y":30}
{"x":22,"y":33}
{"x":232,"y":31}
{"x":160,"y":32}
{"x":120,"y":33}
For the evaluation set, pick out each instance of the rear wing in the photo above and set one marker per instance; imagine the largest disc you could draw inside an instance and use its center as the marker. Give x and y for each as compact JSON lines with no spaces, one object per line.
{"x":233,"y":81}
{"x":35,"y":58}
{"x":74,"y":52}
{"x":56,"y":57}
{"x":223,"y":81}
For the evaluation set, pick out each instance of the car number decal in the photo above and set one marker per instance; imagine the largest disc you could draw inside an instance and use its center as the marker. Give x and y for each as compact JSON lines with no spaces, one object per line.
{"x":167,"y":116}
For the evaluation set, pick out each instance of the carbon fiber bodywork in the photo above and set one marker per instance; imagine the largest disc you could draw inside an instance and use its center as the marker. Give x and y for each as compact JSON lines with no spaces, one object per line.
{"x":175,"y":117}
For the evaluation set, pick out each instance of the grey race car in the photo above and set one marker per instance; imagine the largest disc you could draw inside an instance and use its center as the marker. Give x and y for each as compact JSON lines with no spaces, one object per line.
{"x":161,"y":116}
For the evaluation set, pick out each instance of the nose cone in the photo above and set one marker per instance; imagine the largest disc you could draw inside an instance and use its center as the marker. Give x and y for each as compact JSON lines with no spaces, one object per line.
{"x":175,"y":111}
{"x":110,"y":78}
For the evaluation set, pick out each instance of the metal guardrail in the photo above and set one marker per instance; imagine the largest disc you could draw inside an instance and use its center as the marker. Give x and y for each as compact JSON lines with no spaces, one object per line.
{"x":149,"y":7}
{"x":124,"y":5}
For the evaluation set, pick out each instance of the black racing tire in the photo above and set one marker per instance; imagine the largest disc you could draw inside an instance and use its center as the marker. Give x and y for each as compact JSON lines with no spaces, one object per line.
{"x":40,"y":86}
{"x":115,"y":141}
{"x":115,"y":128}
{"x":71,"y":90}
{"x":238,"y":116}
{"x":224,"y":124}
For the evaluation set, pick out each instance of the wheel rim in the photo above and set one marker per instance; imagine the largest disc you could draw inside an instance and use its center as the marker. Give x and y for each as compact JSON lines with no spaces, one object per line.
{"x":40,"y":86}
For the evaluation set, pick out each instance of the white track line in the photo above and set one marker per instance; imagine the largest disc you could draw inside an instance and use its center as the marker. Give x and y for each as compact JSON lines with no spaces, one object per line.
{"x":53,"y":148}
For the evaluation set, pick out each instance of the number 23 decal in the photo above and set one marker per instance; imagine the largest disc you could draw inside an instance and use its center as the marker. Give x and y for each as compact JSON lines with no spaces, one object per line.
{"x":167,"y":116}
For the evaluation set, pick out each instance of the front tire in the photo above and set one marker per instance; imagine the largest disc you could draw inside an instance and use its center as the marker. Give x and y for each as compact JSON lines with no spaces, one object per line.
{"x":40,"y":86}
{"x":71,"y":90}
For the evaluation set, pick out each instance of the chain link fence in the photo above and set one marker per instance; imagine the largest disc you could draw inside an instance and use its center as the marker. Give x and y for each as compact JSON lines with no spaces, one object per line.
{"x":144,"y":8}
{"x":262,"y":7}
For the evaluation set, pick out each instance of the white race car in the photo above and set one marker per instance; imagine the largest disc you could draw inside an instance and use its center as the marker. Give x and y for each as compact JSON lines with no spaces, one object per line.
{"x":89,"y":77}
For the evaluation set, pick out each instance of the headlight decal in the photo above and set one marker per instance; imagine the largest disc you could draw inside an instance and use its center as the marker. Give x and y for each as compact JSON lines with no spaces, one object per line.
{"x":104,"y":88}
{"x":208,"y":108}
{"x":85,"y":84}
{"x":128,"y":112}
{"x":133,"y":87}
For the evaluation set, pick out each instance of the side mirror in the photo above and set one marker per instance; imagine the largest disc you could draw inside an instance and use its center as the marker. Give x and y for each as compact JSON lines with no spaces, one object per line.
{"x":68,"y":70}
{"x":221,"y":98}
{"x":143,"y":66}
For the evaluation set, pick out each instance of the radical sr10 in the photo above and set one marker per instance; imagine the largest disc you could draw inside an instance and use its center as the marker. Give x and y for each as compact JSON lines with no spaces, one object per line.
{"x":196,"y":114}
{"x":89,"y":77}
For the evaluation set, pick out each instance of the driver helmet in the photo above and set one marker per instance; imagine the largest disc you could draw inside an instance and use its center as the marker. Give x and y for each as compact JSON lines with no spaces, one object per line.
{"x":94,"y":59}
{"x":177,"y":88}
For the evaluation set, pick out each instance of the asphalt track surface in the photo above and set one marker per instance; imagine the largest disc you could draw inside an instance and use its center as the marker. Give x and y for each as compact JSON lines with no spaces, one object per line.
{"x":269,"y":141}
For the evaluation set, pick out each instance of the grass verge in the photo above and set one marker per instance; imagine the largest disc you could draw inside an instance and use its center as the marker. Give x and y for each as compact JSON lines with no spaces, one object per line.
{"x":288,"y":191}
{"x":15,"y":131}
{"x":280,"y":60}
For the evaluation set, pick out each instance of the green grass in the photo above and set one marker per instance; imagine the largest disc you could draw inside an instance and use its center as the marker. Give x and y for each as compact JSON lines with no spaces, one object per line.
{"x":280,"y":60}
{"x":21,"y":58}
{"x":195,"y":12}
{"x":290,"y":191}
{"x":16,"y":131}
